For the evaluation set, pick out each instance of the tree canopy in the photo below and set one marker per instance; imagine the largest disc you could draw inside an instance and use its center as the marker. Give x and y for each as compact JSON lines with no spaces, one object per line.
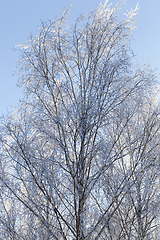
{"x":79,"y":156}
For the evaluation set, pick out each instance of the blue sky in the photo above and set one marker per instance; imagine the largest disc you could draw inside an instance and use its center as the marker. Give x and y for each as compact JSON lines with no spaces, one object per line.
{"x":20,"y":18}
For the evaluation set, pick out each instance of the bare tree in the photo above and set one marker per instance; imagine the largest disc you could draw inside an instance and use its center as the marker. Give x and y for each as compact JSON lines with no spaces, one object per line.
{"x":71,"y":153}
{"x":138,"y":165}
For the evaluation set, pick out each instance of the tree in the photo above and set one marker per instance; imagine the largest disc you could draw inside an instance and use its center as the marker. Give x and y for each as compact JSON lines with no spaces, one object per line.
{"x":136,"y":217}
{"x":76,"y":153}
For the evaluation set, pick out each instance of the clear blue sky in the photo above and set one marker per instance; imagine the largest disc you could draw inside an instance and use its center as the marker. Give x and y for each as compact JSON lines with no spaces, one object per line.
{"x":18,"y":18}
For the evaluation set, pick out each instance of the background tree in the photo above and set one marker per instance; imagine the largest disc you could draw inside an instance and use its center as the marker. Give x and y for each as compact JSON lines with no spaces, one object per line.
{"x":139,"y":159}
{"x":75,"y":154}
